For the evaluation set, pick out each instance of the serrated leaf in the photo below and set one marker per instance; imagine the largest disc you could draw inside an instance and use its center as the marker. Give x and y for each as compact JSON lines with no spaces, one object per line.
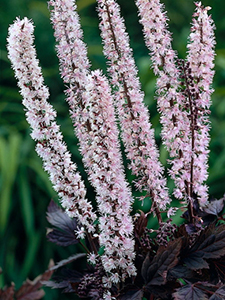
{"x":162,"y":291}
{"x":189,"y":292}
{"x":196,"y":262}
{"x":209,"y":245}
{"x":67,"y":281}
{"x":67,"y":261}
{"x":219,"y":264}
{"x":215,"y":207}
{"x":30,"y":290}
{"x":64,"y":234}
{"x":7,"y":293}
{"x":61,"y":238}
{"x":55,"y":285}
{"x":165,"y":259}
{"x":179,"y":272}
{"x":133,"y":295}
{"x":219,"y":294}
{"x":70,"y":277}
{"x":58,"y":218}
{"x":144,"y":267}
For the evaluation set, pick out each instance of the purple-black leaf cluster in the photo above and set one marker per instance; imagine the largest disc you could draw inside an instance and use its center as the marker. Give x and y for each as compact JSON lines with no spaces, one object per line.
{"x":191,"y":266}
{"x":64,"y":227}
{"x":30,"y":289}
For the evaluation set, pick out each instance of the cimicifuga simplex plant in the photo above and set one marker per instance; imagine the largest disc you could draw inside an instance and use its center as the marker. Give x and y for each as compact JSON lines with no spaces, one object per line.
{"x":125,"y":257}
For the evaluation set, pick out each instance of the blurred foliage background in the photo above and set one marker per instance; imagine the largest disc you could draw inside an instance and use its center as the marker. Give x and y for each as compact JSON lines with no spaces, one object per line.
{"x":25,"y":190}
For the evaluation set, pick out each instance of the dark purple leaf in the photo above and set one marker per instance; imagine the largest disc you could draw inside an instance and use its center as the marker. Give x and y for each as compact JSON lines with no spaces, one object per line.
{"x":189,"y":292}
{"x":67,"y":261}
{"x":209,"y":245}
{"x":161,"y":291}
{"x":30,"y":290}
{"x":7,"y":293}
{"x":215,"y":207}
{"x":190,"y":228}
{"x":219,"y":294}
{"x":133,"y":295}
{"x":219,"y":264}
{"x":144,"y":268}
{"x":71,"y":273}
{"x":165,"y":259}
{"x":179,"y":272}
{"x":196,"y":262}
{"x":68,"y":278}
{"x":65,"y":282}
{"x":56,"y":285}
{"x":63,"y":234}
{"x":61,"y":238}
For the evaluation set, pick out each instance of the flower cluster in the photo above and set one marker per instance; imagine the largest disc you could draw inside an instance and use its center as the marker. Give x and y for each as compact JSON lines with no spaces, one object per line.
{"x":182,"y":109}
{"x":41,"y":117}
{"x":92,"y":110}
{"x":200,"y":61}
{"x":137,"y":134}
{"x":96,"y":107}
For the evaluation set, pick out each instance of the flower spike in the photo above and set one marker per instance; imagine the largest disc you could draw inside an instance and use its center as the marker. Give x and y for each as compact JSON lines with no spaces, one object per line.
{"x":137,"y":134}
{"x":92,"y":111}
{"x":41,"y":117}
{"x":200,"y":61}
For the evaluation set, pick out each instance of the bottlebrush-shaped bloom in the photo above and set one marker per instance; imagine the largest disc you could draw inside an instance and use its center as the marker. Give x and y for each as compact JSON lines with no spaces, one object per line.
{"x":41,"y":117}
{"x":71,"y":49}
{"x":92,"y":113}
{"x":174,"y":105}
{"x":174,"y":118}
{"x":200,"y":58}
{"x":103,"y":161}
{"x":137,"y":134}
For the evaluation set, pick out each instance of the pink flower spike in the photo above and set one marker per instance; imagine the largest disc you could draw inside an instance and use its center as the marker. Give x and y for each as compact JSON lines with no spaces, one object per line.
{"x":200,"y":58}
{"x":102,"y":158}
{"x":137,"y":134}
{"x":175,"y":118}
{"x":41,"y":117}
{"x":92,"y":113}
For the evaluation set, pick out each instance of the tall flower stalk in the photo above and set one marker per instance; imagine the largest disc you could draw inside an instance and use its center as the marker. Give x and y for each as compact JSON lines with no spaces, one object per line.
{"x":92,"y":112}
{"x":200,"y":63}
{"x":41,"y":117}
{"x":180,"y":131}
{"x":137,"y":134}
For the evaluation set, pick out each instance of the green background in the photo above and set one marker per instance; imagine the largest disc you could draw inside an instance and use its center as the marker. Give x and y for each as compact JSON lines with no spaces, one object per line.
{"x":25,"y":190}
